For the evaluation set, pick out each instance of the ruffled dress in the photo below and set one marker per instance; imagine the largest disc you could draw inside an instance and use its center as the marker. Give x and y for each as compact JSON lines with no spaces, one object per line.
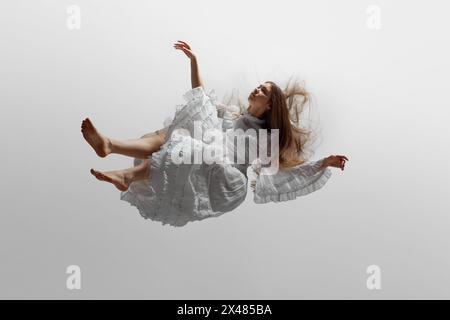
{"x":178,"y":192}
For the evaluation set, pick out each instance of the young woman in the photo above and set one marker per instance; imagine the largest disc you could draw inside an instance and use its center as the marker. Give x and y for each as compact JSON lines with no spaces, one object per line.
{"x":176,"y":193}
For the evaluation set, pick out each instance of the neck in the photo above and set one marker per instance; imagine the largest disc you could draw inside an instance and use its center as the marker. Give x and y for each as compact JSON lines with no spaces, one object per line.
{"x":256,"y":115}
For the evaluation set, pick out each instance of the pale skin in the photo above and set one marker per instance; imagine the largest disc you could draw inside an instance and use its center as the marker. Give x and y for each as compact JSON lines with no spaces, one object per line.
{"x":143,"y":147}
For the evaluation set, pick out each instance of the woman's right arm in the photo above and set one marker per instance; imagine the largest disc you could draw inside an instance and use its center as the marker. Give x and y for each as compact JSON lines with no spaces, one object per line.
{"x":195,"y":75}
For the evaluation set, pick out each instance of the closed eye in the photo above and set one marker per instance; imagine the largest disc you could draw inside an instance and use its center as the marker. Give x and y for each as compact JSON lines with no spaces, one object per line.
{"x":264,"y":90}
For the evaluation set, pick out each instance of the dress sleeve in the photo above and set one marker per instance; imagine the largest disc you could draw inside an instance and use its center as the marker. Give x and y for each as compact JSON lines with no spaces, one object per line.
{"x":288,"y":184}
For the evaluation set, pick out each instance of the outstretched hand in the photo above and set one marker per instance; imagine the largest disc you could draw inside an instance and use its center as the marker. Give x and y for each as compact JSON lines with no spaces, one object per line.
{"x":336,"y":161}
{"x":183,"y":46}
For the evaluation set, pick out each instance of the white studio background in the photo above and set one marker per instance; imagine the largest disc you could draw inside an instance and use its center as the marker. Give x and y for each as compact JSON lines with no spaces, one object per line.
{"x":382,"y":100}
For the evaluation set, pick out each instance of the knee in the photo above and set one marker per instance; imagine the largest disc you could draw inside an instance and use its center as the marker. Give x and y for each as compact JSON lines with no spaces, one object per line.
{"x":148,"y":135}
{"x":162,"y":137}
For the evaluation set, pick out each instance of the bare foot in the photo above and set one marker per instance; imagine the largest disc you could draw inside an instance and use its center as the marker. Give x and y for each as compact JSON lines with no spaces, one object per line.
{"x":117,"y":178}
{"x":100,"y":143}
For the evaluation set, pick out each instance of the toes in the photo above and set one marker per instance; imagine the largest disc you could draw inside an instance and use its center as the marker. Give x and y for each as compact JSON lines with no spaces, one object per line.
{"x":100,"y":176}
{"x":106,"y":178}
{"x":88,"y":122}
{"x":84,"y":126}
{"x":96,"y":173}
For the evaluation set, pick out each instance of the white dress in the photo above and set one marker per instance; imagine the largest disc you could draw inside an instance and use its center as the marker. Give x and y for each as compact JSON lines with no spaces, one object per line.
{"x":176,"y":194}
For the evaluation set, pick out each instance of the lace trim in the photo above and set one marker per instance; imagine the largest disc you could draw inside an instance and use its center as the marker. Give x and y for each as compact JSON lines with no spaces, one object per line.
{"x":312,"y":187}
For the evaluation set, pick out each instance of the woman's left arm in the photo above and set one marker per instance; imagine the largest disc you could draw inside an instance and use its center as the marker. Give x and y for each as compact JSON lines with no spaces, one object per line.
{"x":195,"y":75}
{"x":289,"y":184}
{"x":336,"y":161}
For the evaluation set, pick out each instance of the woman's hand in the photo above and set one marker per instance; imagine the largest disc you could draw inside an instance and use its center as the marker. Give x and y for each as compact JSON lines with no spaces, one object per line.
{"x":183,"y":46}
{"x":335,"y":161}
{"x":196,"y":81}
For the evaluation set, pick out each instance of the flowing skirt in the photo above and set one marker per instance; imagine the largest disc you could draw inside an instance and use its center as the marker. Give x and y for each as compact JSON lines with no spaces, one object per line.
{"x":177,"y":193}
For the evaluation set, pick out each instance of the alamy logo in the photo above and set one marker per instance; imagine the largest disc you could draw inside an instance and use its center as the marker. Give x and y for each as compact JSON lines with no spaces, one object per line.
{"x":374,"y":280}
{"x":232,"y":146}
{"x":373,"y":21}
{"x":74,"y":279}
{"x":73,"y":21}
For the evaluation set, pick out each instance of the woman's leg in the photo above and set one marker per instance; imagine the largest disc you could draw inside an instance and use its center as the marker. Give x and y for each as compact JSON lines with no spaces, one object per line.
{"x":123,"y":178}
{"x":137,"y":148}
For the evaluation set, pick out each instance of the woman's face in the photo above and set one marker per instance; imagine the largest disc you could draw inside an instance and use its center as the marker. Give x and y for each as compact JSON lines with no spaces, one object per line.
{"x":258,"y":100}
